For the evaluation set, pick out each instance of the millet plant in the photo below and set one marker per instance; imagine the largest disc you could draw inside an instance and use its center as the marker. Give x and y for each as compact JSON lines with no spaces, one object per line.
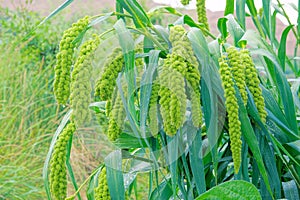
{"x":203,"y":116}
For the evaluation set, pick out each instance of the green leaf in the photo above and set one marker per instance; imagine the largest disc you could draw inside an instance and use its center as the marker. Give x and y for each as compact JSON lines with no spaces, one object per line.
{"x":270,"y":163}
{"x":294,"y":149}
{"x":283,"y":88}
{"x":252,"y":8}
{"x":53,"y":141}
{"x":162,"y":9}
{"x":235,"y":29}
{"x":119,"y":9}
{"x":282,"y":47}
{"x":93,"y":183}
{"x":251,"y":140}
{"x":267,"y":19}
{"x":163,"y":191}
{"x":100,"y":19}
{"x":52,"y":14}
{"x":232,"y":190}
{"x":146,"y":87}
{"x":274,"y":24}
{"x":140,"y":18}
{"x":196,"y":162}
{"x":127,"y":141}
{"x":229,"y":9}
{"x":290,"y":190}
{"x":172,"y":158}
{"x":57,"y":10}
{"x":114,"y":175}
{"x":186,"y":19}
{"x":211,"y":90}
{"x":240,"y":12}
{"x":69,"y":167}
{"x":222,"y":26}
{"x":127,"y":43}
{"x":287,"y":99}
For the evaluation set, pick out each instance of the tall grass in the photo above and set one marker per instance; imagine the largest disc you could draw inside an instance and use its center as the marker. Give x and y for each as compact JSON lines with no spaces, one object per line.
{"x":28,"y":112}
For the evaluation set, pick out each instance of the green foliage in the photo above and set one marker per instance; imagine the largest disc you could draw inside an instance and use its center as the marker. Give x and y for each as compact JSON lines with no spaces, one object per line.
{"x":232,"y":190}
{"x":194,"y":152}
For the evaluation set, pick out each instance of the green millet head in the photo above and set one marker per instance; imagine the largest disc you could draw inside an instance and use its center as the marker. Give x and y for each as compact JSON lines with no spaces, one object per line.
{"x":64,"y":61}
{"x":182,"y":52}
{"x":177,"y":33}
{"x":232,"y":109}
{"x":106,"y":83}
{"x":116,"y":119}
{"x":101,"y":191}
{"x":185,"y":2}
{"x":238,"y":71}
{"x":252,"y":81}
{"x":58,"y":172}
{"x":201,"y":12}
{"x":81,"y":88}
{"x":172,"y":94}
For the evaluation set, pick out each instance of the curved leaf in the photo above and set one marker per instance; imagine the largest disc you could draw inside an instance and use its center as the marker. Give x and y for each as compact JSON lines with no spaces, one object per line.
{"x":232,"y":190}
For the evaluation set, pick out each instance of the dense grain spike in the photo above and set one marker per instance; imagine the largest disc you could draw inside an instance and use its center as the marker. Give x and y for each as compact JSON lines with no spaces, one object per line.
{"x":58,"y":172}
{"x":185,"y":2}
{"x":81,"y":88}
{"x":183,"y":51}
{"x":64,"y":61}
{"x":238,"y":71}
{"x":101,"y":191}
{"x":172,"y":94}
{"x":201,"y":12}
{"x":116,"y":119}
{"x":232,"y":109}
{"x":253,"y":82}
{"x":107,"y":82}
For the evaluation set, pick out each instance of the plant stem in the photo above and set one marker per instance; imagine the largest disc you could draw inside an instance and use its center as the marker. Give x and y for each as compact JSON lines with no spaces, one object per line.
{"x":86,"y":180}
{"x":106,"y":32}
{"x":113,"y":14}
{"x":289,"y":21}
{"x":149,"y":35}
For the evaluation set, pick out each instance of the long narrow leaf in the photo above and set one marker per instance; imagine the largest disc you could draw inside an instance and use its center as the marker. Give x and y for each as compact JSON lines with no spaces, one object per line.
{"x":127,"y":44}
{"x":114,"y":175}
{"x":196,"y":162}
{"x":146,"y":87}
{"x":69,"y":167}
{"x":251,"y":140}
{"x":229,"y":9}
{"x":282,"y":47}
{"x":240,"y":12}
{"x":140,"y":18}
